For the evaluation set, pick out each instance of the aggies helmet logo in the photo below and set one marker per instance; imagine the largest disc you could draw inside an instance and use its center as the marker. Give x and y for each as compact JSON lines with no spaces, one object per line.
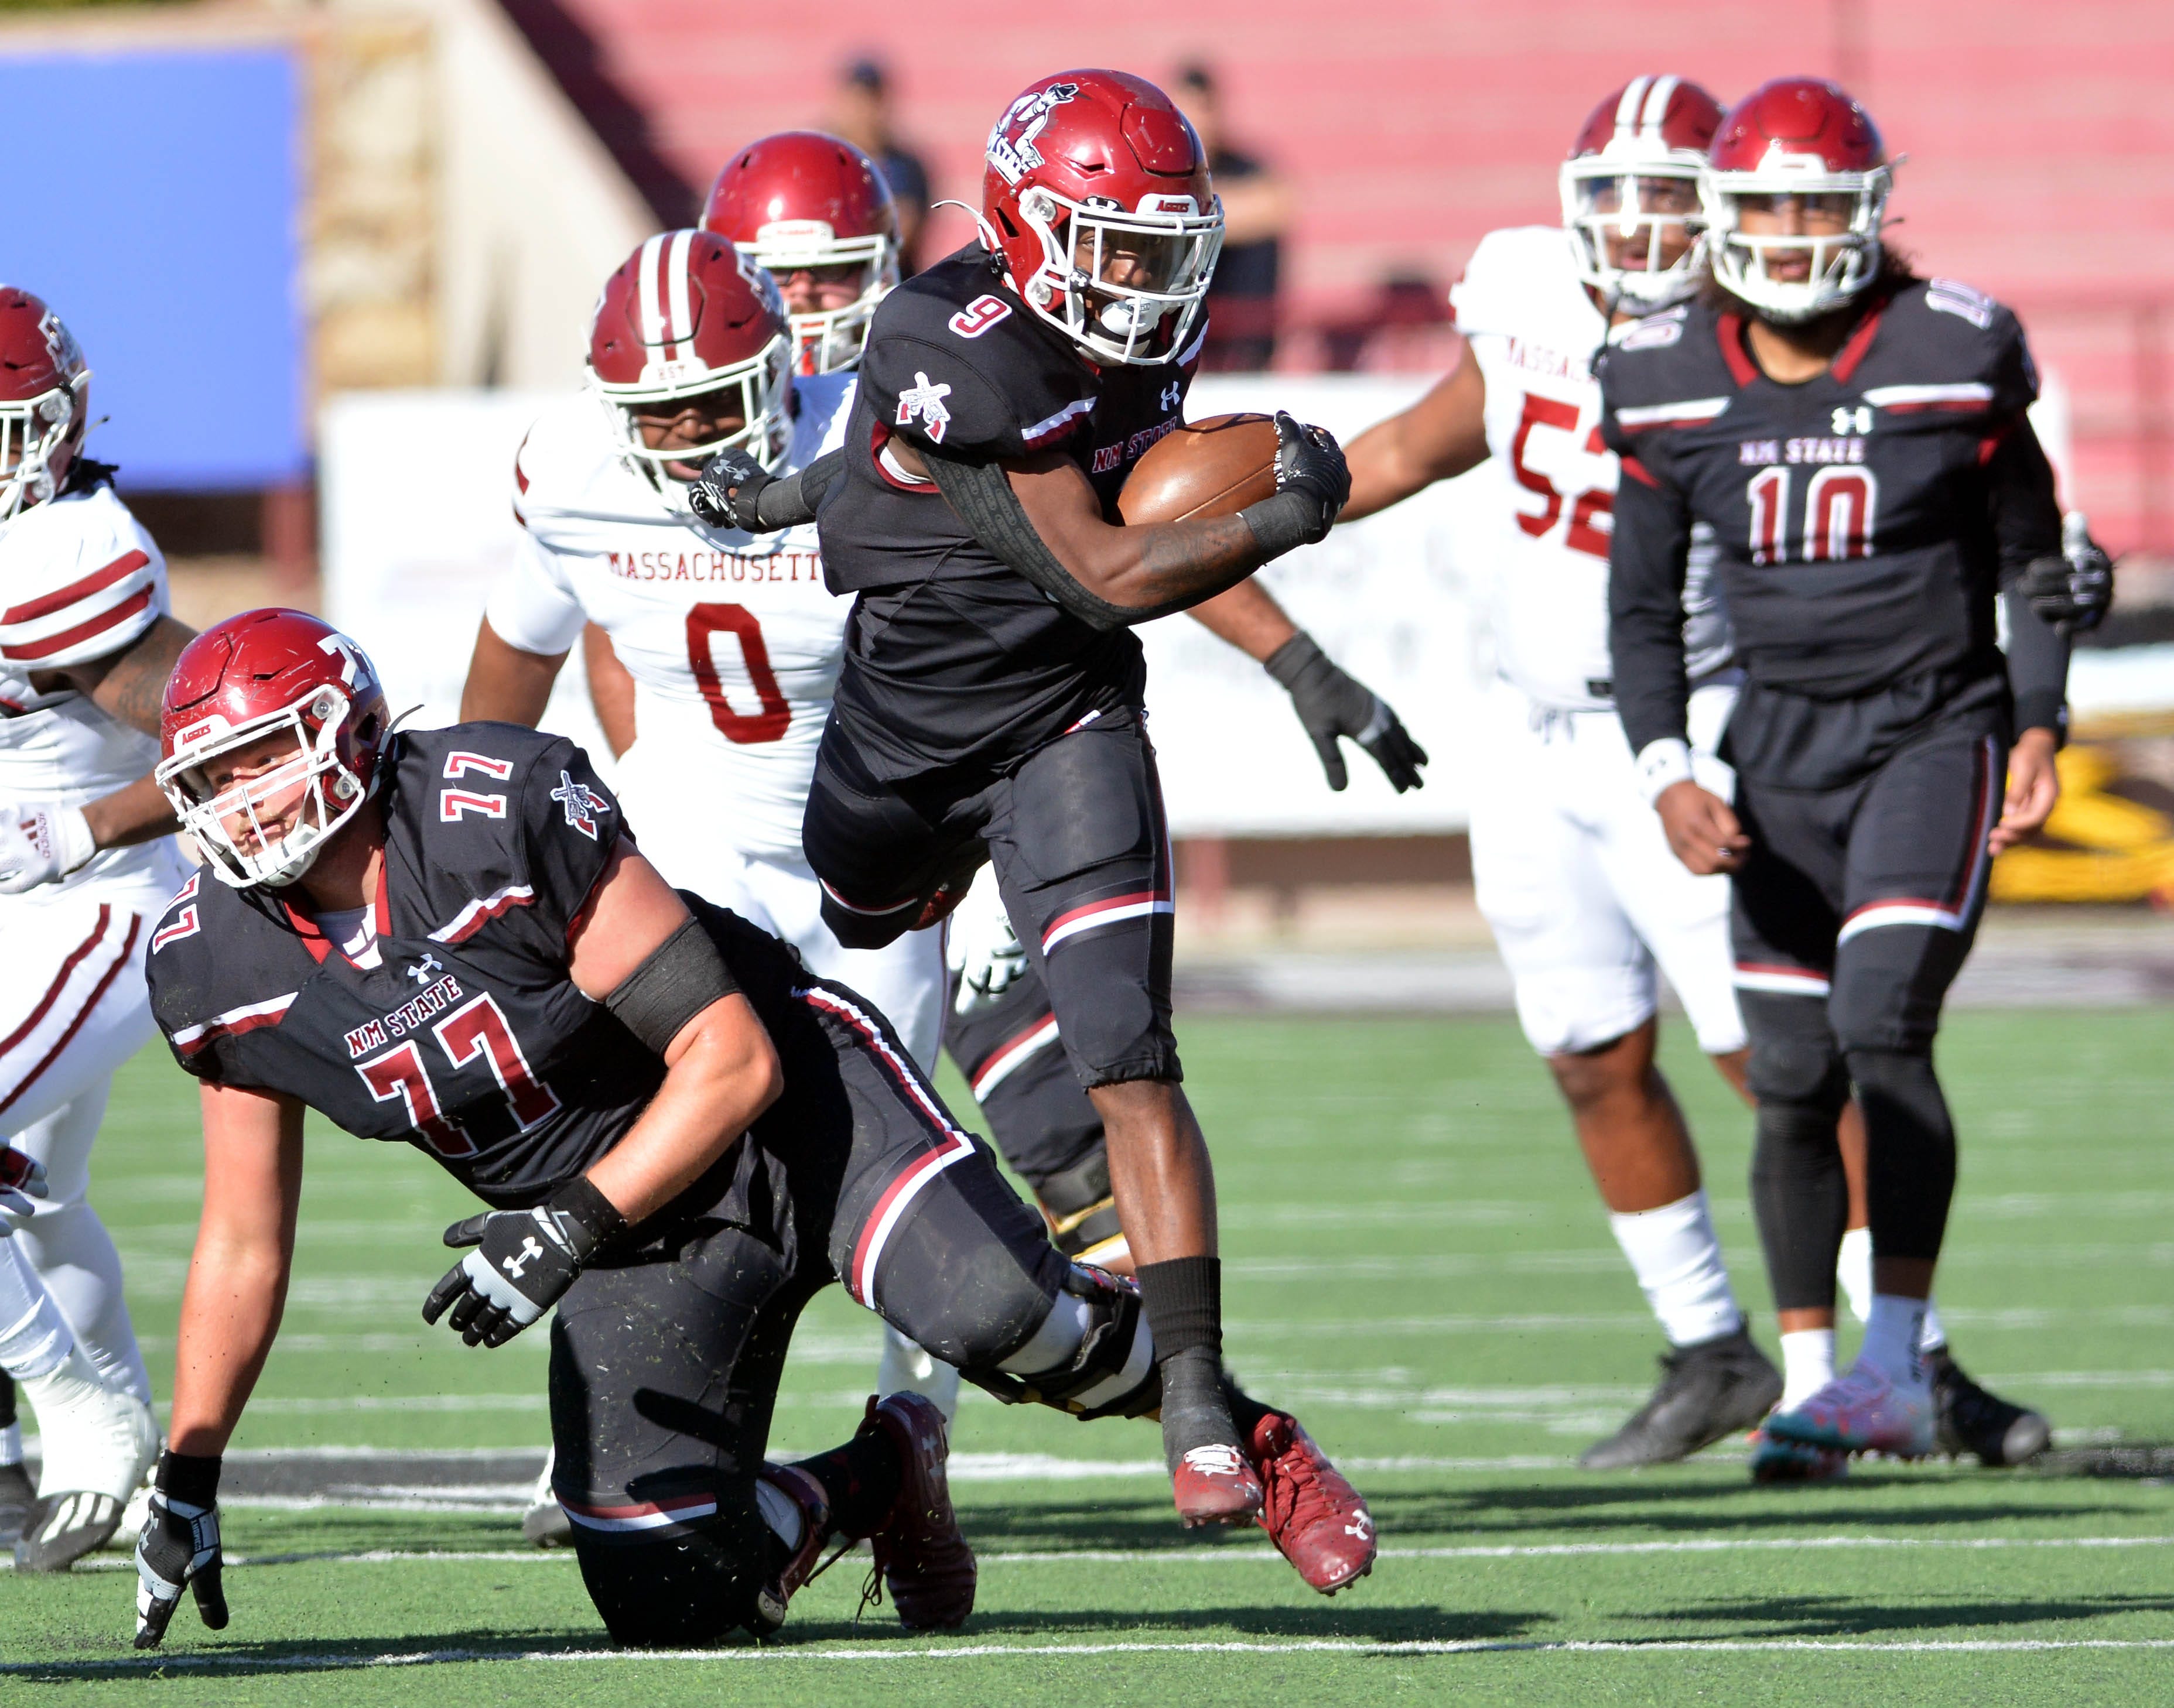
{"x":1014,"y":157}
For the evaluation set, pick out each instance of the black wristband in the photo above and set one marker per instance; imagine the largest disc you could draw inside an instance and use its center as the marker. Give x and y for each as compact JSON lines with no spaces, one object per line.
{"x":188,"y":1476}
{"x":592,"y":1220}
{"x":1184,"y":1300}
{"x":1290,"y":520}
{"x":1292,"y":659}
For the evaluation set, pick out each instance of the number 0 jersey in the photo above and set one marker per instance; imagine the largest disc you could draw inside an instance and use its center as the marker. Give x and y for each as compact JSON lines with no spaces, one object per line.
{"x":79,"y":581}
{"x":733,"y":639}
{"x":1865,"y":521}
{"x":1535,"y":331}
{"x":457,"y":1030}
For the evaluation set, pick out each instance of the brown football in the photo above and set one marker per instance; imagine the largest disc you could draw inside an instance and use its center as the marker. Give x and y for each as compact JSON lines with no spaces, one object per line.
{"x":1201,"y":469}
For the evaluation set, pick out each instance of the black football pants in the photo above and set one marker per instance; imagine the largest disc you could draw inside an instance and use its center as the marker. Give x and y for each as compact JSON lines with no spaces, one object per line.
{"x":665,"y":1364}
{"x":1853,"y":914}
{"x":1075,"y":831}
{"x":1044,"y":1126}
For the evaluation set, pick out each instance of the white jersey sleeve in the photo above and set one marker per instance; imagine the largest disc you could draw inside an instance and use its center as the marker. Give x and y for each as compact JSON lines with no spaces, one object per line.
{"x":531,"y":607}
{"x":79,"y":579}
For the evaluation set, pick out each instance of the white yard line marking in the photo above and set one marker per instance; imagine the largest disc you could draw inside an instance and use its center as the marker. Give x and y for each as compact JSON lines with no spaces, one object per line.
{"x":973,"y":1652}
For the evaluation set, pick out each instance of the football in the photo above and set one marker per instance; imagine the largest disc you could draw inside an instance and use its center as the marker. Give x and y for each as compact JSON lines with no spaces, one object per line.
{"x":1205,"y":468}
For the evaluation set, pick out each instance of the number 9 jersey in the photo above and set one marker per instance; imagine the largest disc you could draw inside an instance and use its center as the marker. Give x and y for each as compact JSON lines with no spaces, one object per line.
{"x":732,"y":639}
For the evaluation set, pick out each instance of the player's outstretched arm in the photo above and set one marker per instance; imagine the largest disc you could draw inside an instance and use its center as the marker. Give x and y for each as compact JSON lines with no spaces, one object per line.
{"x":611,"y":689}
{"x":637,"y":950}
{"x":43,"y":844}
{"x":1438,"y":438}
{"x":506,"y":684}
{"x":1330,"y":704}
{"x":230,"y":1310}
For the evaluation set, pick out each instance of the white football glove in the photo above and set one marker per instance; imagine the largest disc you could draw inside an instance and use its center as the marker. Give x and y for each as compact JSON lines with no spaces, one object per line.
{"x":41,"y":845}
{"x":982,"y":947}
{"x":22,"y":1178}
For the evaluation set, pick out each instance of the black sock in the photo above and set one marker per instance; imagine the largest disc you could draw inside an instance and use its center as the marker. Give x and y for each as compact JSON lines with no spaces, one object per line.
{"x":861,"y":1480}
{"x":7,"y":1399}
{"x":1184,"y":1300}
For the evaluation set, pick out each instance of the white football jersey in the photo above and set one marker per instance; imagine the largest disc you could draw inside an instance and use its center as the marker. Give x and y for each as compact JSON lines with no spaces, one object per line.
{"x":79,"y":579}
{"x":732,"y":639}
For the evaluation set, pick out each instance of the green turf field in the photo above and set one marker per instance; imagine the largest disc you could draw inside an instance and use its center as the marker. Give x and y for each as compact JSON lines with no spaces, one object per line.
{"x":1416,"y":1264}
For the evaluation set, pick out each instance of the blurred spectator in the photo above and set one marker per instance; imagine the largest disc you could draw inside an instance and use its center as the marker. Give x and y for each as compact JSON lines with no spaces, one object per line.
{"x":1403,"y":327}
{"x":1256,"y":211}
{"x":861,"y":114}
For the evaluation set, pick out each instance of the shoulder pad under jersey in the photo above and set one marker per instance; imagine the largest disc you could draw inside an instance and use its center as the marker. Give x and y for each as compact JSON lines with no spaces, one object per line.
{"x":79,"y":579}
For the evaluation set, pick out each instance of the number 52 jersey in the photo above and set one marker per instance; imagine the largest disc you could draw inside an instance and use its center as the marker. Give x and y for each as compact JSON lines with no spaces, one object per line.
{"x":732,"y":639}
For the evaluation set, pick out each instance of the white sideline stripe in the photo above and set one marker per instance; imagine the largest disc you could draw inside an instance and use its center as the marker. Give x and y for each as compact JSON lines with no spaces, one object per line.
{"x":973,"y":1652}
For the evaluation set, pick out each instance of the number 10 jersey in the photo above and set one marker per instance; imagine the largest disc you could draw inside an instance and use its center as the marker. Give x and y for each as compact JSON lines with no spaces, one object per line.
{"x":733,"y":639}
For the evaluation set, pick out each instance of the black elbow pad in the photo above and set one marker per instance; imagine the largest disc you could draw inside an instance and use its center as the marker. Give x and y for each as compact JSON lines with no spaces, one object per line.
{"x":986,"y":503}
{"x":683,"y":977}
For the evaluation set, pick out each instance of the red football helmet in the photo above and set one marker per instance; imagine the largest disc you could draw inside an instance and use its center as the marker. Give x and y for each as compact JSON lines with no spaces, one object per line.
{"x":804,"y":200}
{"x":262,"y":675}
{"x":1097,"y":197}
{"x":1633,"y":173}
{"x":44,"y":401}
{"x":685,"y":316}
{"x":1796,"y":146}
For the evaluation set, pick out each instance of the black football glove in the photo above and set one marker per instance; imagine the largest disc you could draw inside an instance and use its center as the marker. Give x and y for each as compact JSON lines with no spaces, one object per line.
{"x":725,"y":493}
{"x":1309,"y":460}
{"x":1331,"y":704}
{"x":2075,"y":591}
{"x":524,"y":1262}
{"x":178,"y":1545}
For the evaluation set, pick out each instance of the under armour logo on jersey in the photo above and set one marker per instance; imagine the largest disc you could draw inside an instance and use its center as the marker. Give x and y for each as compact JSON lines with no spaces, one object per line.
{"x":421,"y":971}
{"x":517,"y":1265}
{"x":1856,"y":420}
{"x":1173,"y":394}
{"x":925,"y":400}
{"x":584,"y":805}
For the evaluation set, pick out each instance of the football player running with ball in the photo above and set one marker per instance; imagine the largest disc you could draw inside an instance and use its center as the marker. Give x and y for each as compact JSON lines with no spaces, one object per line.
{"x":1852,"y":440}
{"x":990,"y":706}
{"x":87,"y":864}
{"x":448,"y":939}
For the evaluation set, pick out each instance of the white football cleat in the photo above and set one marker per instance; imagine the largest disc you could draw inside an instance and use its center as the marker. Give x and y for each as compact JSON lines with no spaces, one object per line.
{"x":545,"y":1523}
{"x":1862,"y":1412}
{"x":99,"y":1442}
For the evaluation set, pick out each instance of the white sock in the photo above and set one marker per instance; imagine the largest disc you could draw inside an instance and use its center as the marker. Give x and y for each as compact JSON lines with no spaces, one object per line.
{"x":11,"y":1445}
{"x":780,"y":1512}
{"x":1853,"y":1269}
{"x":1676,"y":1255}
{"x":1894,"y":1330}
{"x":1807,"y":1364}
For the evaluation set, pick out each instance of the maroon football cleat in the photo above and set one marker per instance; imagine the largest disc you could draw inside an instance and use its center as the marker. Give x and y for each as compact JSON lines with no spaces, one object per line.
{"x":805,"y":1492}
{"x":919,"y":1551}
{"x":1215,"y":1485}
{"x":1312,"y":1514}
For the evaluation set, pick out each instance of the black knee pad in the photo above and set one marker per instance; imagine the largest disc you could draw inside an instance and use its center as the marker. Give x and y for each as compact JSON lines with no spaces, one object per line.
{"x":1112,"y":1373}
{"x":1794,"y":1058}
{"x":1910,"y":1151}
{"x":1889,"y":983}
{"x":969,"y":1273}
{"x":692,"y":1592}
{"x":1078,"y":1202}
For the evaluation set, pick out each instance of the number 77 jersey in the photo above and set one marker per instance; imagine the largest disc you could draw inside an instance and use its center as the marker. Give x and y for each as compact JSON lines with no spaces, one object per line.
{"x":732,"y":639}
{"x":1535,"y":331}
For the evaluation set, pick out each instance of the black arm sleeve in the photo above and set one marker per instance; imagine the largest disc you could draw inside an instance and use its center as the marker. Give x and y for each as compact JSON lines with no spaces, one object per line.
{"x":1645,"y":563}
{"x":683,"y":977}
{"x":795,"y":498}
{"x":2026,"y":521}
{"x":985,"y":501}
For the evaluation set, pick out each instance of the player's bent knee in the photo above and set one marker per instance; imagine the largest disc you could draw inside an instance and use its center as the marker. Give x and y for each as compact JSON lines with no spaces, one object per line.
{"x":970,"y":1275}
{"x":1794,"y":1058}
{"x":855,"y":929}
{"x":693,"y":1591}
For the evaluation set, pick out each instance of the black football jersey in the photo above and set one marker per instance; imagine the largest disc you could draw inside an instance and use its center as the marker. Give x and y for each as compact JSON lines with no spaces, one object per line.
{"x":463,"y":1035}
{"x":952,"y":656}
{"x":1864,"y":520}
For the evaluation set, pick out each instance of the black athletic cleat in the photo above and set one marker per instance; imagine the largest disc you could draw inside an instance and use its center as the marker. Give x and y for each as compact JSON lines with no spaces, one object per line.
{"x":1706,"y":1391}
{"x":1971,"y":1420}
{"x":18,"y":1494}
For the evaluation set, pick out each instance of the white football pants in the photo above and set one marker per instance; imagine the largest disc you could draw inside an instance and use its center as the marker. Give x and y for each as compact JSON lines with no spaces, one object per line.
{"x":1577,"y":881}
